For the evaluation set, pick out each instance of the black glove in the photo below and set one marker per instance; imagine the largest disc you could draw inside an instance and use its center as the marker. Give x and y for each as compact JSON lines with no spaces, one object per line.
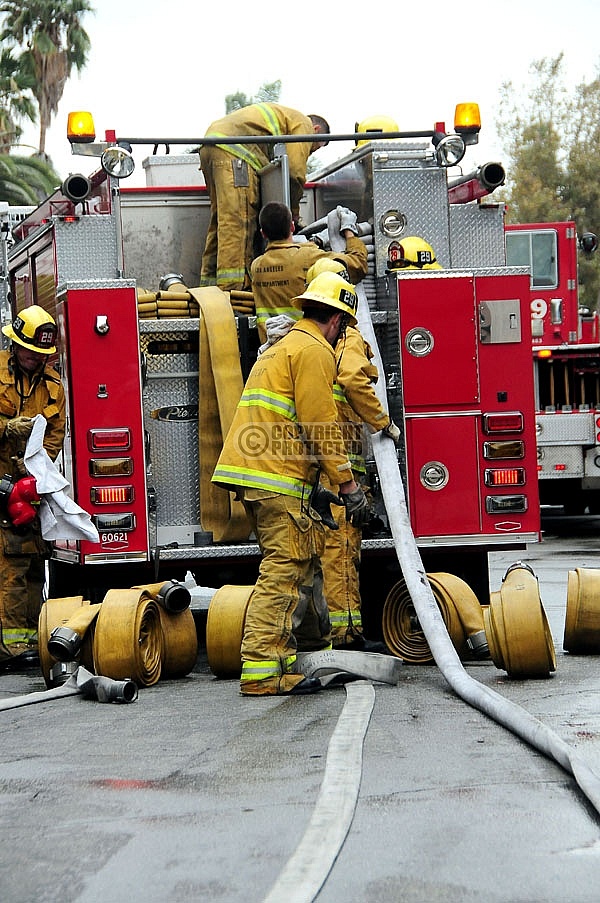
{"x":18,"y":429}
{"x":357,"y":507}
{"x":321,"y":500}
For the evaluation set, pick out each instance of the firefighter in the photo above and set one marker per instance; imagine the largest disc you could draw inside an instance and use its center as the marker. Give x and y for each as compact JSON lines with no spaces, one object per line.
{"x":414,"y":253}
{"x":376,"y":125}
{"x":28,"y":386}
{"x":231,"y":176}
{"x":279,"y":275}
{"x":357,"y":403}
{"x":285,"y":430}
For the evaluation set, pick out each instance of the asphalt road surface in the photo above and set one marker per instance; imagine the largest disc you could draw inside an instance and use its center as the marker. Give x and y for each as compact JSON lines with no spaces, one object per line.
{"x":360,"y":793}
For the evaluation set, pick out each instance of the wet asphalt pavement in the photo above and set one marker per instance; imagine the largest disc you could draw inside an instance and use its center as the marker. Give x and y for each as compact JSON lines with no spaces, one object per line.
{"x":193,"y":793}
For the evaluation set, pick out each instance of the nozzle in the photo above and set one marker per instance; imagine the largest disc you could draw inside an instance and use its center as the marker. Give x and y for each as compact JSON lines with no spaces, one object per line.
{"x":105,"y":689}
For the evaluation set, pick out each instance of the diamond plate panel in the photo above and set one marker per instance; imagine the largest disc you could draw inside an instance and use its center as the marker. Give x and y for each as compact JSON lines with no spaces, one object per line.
{"x":561,"y":429}
{"x":568,"y":458}
{"x":476,"y":235}
{"x":420,"y":194}
{"x":87,"y":246}
{"x":172,"y":379}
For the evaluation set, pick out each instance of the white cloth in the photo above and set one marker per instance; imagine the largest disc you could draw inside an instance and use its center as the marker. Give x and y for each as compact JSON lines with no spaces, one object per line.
{"x":276,"y":328}
{"x":60,"y":516}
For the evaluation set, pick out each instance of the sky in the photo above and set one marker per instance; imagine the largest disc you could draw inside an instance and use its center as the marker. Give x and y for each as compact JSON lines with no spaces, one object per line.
{"x":163,"y":70}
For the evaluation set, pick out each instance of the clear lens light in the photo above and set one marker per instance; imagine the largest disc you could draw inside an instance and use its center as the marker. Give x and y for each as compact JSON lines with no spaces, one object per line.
{"x":450,"y":150}
{"x":117,"y":162}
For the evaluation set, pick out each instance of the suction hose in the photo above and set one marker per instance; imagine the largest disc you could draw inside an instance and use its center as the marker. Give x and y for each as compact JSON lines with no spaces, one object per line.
{"x":502,"y":710}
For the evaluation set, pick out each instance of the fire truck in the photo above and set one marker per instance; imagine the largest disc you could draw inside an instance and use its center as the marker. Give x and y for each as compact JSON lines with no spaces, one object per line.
{"x":566,"y":359}
{"x":455,"y":344}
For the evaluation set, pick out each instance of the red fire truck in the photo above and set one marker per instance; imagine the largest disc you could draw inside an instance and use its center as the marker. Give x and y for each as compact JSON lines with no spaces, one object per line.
{"x":455,"y":345}
{"x":566,"y":357}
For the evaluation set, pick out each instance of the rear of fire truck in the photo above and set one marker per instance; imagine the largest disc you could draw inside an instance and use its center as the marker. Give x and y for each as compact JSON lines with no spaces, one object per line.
{"x":566,"y":360}
{"x":455,"y":345}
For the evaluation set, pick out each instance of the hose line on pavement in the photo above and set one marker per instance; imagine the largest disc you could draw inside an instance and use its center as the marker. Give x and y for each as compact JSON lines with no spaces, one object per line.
{"x":502,"y":710}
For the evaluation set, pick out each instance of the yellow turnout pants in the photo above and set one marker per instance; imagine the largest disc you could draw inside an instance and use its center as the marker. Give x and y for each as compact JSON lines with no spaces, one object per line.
{"x":287,"y":611}
{"x":234,"y":192}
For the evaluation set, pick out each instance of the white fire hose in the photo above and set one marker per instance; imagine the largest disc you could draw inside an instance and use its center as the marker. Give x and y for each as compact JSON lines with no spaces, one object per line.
{"x":502,"y":710}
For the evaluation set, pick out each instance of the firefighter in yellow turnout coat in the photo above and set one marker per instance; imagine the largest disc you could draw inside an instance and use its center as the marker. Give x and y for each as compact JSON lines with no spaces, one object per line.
{"x":27,"y":387}
{"x":280,"y":274}
{"x":283,"y":430}
{"x":357,"y":403}
{"x":231,"y":176}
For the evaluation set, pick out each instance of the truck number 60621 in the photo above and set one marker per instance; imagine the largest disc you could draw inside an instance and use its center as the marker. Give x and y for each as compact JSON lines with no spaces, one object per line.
{"x":114,"y":537}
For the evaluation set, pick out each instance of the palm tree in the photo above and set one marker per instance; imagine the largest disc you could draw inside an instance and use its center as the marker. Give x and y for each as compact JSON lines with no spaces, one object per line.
{"x":25,"y":180}
{"x":54,"y":41}
{"x":15,"y":100}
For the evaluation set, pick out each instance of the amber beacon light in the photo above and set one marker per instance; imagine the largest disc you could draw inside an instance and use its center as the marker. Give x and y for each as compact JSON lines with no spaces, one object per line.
{"x":80,"y":127}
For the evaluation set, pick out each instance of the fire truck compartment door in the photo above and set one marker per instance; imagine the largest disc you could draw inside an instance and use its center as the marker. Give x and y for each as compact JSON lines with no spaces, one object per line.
{"x":438,"y":340}
{"x":443,"y":466}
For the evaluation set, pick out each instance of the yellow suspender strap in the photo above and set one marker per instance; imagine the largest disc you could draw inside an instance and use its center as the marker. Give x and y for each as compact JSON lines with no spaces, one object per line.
{"x":220,"y":389}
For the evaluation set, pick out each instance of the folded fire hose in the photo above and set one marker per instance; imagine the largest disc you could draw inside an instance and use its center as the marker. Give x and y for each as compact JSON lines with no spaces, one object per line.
{"x":502,"y":710}
{"x":220,"y":390}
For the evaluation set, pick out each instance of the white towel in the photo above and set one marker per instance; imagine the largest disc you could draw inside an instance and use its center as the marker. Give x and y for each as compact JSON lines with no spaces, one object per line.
{"x":60,"y":516}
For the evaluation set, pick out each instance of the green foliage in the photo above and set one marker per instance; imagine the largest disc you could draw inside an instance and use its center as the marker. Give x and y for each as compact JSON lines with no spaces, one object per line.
{"x":16,"y":102}
{"x":269,"y":92}
{"x":552,"y":141}
{"x":52,"y":41}
{"x":25,"y":180}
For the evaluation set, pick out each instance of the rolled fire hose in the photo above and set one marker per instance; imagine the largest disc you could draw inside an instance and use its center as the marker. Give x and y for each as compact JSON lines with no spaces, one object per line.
{"x":81,"y":682}
{"x":220,"y":389}
{"x":225,"y":629}
{"x":582,"y":621}
{"x":502,"y":710}
{"x":180,"y":643}
{"x":516,"y":626}
{"x":180,"y":639}
{"x":56,"y":613}
{"x":128,"y":640}
{"x":170,"y":594}
{"x":459,"y":608}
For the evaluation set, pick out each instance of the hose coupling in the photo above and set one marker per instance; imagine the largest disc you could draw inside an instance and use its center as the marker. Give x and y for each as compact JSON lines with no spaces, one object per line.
{"x":64,"y":644}
{"x":478,"y":644}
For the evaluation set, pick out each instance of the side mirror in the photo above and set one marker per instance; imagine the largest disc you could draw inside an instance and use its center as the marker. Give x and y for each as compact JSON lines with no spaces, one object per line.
{"x":588,"y":242}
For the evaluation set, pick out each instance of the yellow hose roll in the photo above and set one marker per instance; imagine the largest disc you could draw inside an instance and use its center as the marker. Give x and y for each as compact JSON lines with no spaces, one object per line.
{"x":57,"y":613}
{"x":401,"y":629}
{"x":174,"y":296}
{"x":180,"y":642}
{"x":517,"y":629}
{"x":166,"y":301}
{"x":582,"y":619}
{"x":128,"y":640}
{"x":225,"y":629}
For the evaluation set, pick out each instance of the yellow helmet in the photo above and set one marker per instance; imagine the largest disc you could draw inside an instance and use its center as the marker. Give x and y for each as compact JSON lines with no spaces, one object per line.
{"x":376,"y":124}
{"x":327,"y":265}
{"x":33,"y":328}
{"x":331,"y":290}
{"x":415,"y":254}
